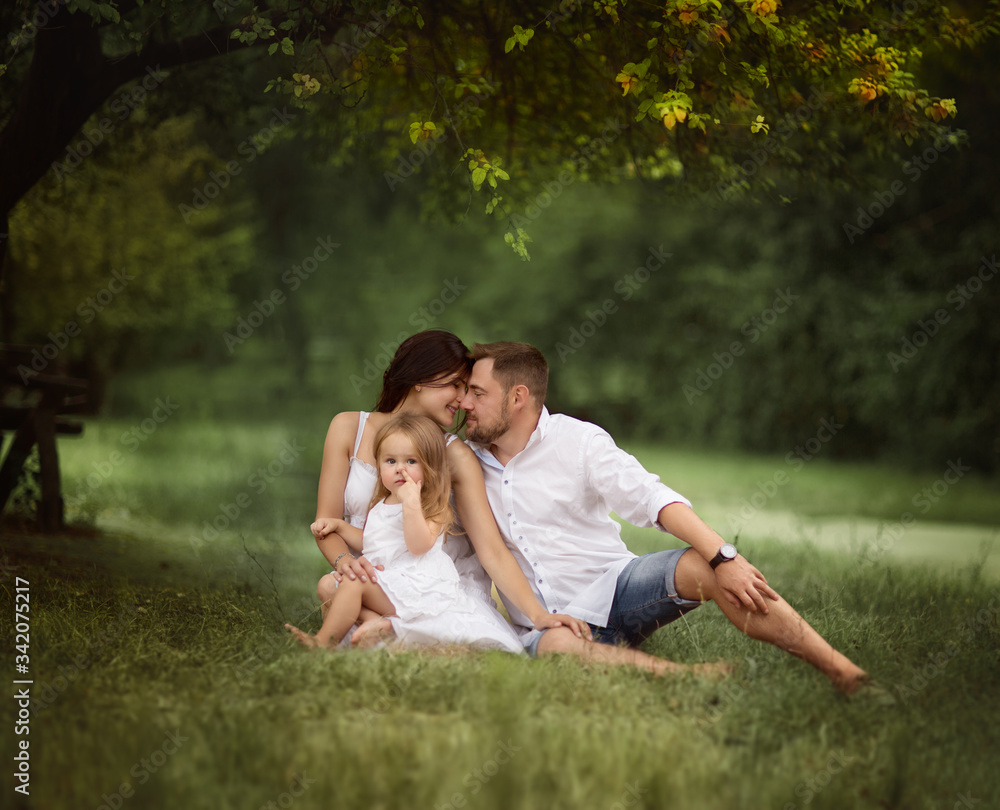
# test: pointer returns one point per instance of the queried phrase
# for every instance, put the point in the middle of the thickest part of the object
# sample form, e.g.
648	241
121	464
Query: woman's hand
358	568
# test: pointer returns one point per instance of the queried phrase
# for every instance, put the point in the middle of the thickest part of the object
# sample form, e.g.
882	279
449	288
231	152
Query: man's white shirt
552	502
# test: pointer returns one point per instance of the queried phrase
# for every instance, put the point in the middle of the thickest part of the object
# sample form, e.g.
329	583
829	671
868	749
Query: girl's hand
324	526
409	490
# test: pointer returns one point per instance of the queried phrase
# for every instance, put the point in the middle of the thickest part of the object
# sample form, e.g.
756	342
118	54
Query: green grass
144	626
121	659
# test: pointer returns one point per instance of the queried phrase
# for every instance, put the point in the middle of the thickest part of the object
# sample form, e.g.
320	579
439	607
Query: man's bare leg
781	626
563	640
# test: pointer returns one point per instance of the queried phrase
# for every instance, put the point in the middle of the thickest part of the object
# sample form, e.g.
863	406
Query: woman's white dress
431	605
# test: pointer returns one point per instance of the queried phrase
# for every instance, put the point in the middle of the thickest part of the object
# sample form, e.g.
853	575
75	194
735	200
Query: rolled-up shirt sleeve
636	494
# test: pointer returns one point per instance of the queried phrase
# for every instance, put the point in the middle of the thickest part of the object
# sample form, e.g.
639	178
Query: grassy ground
162	677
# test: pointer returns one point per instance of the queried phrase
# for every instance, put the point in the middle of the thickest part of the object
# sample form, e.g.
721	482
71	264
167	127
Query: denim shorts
645	600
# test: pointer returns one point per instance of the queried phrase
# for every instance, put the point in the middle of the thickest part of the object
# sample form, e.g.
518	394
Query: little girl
419	591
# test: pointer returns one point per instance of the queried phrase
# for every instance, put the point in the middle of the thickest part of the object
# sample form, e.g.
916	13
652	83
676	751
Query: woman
426	377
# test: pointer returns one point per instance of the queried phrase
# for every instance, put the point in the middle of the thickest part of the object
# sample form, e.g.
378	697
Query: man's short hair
516	364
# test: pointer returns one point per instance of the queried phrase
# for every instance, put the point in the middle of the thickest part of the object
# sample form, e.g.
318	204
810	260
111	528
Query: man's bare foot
851	682
369	633
302	637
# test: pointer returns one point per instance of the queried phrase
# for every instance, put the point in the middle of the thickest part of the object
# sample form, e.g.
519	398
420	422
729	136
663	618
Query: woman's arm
477	518
332	481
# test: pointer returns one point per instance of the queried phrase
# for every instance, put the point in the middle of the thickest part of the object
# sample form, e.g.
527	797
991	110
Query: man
553	480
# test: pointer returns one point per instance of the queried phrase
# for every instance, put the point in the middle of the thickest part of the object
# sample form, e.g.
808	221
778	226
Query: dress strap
362	418
449	438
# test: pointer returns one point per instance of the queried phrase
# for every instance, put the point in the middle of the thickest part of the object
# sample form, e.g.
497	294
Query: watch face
728	551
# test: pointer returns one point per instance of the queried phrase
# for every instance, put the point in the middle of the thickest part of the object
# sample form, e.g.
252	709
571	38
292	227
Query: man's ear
522	396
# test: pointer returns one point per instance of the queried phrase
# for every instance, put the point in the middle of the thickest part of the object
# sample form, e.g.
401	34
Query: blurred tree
796	86
125	275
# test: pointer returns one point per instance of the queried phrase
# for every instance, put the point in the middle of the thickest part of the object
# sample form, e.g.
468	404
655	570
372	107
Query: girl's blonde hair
429	443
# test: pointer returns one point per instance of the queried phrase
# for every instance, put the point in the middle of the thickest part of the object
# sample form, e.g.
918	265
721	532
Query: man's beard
487	434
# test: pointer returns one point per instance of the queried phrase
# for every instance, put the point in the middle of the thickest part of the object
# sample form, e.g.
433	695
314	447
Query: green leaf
509	45
478	175
272	48
287	47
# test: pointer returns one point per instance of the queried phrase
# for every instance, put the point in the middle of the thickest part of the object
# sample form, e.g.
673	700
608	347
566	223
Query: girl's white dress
432	606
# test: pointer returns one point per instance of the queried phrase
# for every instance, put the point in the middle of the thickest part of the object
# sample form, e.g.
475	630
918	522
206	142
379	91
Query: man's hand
744	586
359	568
579	627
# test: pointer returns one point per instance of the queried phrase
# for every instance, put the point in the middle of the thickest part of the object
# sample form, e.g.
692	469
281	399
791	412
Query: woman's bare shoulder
344	428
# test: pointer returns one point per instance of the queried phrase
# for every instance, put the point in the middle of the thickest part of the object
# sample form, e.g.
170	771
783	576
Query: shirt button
539	582
554	610
525	548
507	482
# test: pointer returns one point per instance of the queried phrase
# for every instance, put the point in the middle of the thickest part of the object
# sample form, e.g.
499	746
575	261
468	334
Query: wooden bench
33	406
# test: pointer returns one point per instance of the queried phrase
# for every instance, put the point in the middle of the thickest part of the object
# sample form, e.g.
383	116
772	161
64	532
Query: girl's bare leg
345	607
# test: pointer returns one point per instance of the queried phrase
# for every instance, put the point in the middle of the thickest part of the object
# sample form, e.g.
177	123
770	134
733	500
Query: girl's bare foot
371	632
302	637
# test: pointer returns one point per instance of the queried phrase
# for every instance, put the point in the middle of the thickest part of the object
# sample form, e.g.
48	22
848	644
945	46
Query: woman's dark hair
421	359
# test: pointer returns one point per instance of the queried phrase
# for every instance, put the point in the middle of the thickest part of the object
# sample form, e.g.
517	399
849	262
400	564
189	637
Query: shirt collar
485	454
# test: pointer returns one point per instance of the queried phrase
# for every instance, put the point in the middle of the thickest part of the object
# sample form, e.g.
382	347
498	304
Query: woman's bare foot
371	632
302	637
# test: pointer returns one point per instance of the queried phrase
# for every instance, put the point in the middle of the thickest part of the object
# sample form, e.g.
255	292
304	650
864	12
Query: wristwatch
725	553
